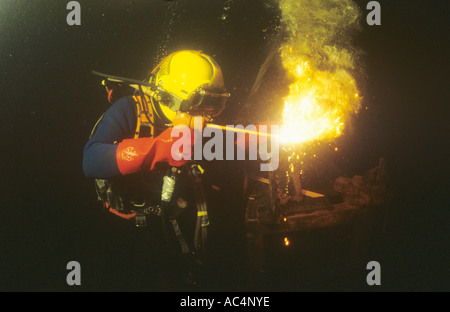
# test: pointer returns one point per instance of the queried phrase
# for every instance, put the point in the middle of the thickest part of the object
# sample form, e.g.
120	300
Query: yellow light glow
317	105
286	241
323	92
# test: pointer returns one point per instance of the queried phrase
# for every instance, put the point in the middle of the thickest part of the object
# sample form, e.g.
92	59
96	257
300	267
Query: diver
148	193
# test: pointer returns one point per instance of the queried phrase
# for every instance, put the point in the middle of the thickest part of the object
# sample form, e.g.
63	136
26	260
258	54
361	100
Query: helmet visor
207	102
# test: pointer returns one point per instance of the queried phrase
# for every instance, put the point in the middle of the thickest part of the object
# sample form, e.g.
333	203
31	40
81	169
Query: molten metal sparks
318	103
323	93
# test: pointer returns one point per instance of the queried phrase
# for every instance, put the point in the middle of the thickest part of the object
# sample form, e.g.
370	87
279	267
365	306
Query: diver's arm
118	123
144	153
105	158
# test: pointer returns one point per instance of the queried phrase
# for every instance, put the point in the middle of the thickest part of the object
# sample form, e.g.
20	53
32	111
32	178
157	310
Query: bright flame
323	92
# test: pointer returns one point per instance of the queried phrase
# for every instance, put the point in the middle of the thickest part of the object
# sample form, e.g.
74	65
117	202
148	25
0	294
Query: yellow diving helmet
190	82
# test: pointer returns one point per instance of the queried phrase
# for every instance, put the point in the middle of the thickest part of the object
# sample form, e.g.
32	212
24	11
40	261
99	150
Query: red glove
144	153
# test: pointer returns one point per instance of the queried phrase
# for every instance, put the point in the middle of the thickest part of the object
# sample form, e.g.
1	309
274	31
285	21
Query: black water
49	102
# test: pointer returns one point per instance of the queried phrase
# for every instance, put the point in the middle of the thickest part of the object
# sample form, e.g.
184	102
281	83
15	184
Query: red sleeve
144	153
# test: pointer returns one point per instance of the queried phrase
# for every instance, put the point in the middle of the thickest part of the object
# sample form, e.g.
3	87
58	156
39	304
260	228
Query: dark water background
49	102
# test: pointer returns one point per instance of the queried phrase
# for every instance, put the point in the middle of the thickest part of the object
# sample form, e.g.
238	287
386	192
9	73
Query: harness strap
127	216
202	211
144	117
176	228
141	219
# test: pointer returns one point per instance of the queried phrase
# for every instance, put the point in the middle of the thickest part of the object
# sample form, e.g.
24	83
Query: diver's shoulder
125	104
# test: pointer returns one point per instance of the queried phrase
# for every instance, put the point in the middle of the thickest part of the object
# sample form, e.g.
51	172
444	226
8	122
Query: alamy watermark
74	276
374	16
74	16
374	276
234	143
